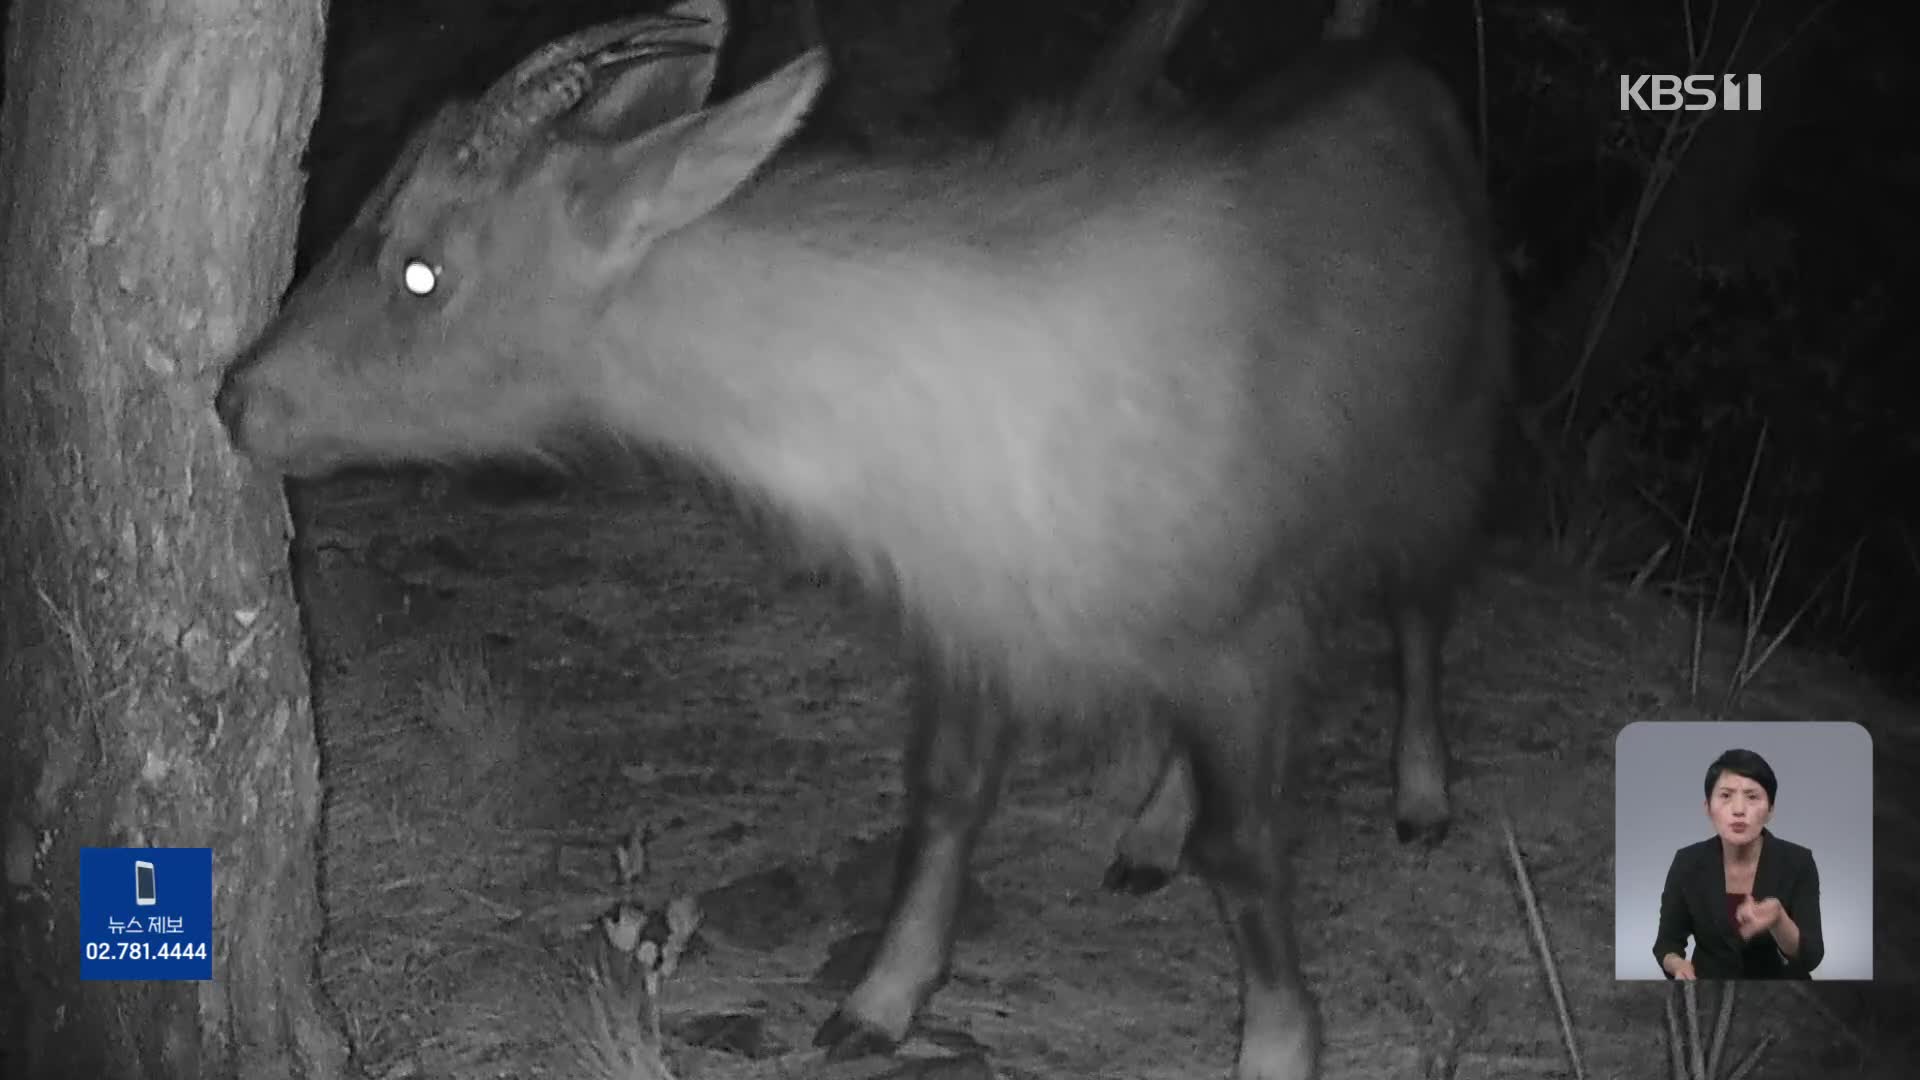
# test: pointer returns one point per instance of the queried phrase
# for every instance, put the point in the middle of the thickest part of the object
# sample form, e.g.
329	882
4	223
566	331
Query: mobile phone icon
143	890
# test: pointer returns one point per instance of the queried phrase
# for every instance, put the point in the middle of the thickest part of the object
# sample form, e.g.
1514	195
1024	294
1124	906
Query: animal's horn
555	79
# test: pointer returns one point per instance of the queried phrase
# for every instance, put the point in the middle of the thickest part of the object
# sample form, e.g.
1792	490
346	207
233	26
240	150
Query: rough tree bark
152	685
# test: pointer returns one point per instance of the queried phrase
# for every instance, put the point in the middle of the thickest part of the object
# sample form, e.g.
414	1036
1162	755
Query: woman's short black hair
1743	763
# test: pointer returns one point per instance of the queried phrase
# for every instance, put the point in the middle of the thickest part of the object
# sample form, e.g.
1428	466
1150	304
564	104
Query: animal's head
457	316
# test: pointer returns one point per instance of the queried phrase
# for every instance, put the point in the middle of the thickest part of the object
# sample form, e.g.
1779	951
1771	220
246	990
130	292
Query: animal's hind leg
1237	735
1148	855
1420	807
954	763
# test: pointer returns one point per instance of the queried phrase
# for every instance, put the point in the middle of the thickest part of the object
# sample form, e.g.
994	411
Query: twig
1546	954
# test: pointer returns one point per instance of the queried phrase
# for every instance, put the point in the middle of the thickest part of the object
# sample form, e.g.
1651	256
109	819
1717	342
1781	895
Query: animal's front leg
1239	733
959	750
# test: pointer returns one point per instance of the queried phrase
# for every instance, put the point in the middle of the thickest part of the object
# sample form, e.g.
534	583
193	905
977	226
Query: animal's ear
620	196
663	88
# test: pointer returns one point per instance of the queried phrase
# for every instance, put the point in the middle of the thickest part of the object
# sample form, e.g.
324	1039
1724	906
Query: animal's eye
419	277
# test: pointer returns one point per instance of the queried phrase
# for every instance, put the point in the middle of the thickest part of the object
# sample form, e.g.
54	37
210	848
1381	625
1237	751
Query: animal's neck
826	364
752	357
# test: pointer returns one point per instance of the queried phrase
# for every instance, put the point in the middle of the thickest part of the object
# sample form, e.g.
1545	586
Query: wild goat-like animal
1112	410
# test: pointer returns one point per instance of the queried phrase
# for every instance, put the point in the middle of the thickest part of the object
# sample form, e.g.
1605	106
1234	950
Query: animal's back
1098	394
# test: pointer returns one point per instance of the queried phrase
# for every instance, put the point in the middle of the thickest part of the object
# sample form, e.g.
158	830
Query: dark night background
1743	440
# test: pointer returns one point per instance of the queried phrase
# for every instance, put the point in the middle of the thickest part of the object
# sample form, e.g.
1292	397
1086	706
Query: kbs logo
1694	93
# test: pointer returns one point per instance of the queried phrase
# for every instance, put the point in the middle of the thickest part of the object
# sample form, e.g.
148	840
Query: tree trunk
153	689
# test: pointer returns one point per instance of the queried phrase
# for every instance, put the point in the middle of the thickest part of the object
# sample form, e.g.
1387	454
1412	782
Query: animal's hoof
1126	876
846	1038
1427	833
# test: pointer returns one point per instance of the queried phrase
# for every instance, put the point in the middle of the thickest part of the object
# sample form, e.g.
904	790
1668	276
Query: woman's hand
1755	917
1679	967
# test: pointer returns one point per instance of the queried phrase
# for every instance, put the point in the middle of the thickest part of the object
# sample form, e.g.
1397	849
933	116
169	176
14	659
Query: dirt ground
514	693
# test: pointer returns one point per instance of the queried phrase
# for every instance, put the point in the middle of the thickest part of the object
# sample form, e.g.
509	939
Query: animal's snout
229	403
250	411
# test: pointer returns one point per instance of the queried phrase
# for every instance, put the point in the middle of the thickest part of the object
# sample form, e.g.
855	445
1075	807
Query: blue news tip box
146	913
